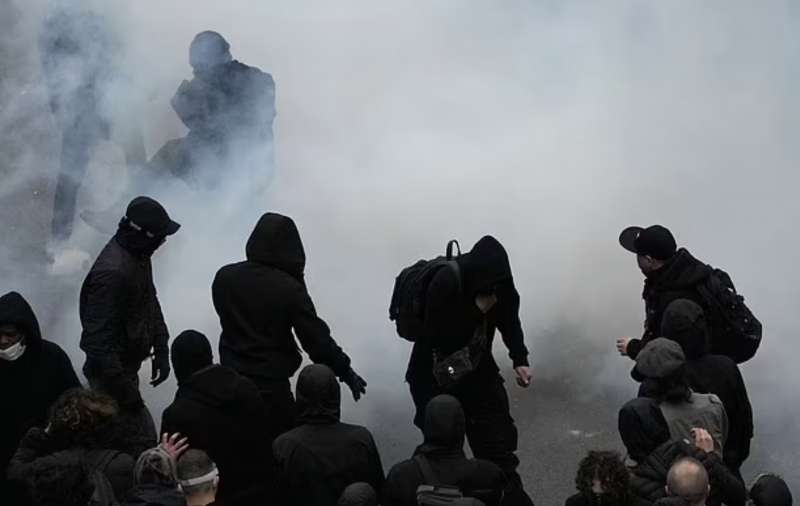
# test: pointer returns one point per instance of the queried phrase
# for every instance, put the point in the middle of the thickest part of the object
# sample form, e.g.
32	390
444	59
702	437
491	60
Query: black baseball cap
149	216
654	241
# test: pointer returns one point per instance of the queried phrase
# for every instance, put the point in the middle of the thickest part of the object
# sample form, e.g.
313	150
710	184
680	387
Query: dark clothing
676	280
319	459
582	500
444	429
649	478
222	414
155	495
450	322
39	455
121	316
30	384
642	427
262	300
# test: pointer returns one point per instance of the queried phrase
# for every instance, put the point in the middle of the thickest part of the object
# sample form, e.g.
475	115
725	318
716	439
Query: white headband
209	476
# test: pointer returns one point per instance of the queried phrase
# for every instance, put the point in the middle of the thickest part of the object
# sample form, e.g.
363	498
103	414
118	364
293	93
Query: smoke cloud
551	125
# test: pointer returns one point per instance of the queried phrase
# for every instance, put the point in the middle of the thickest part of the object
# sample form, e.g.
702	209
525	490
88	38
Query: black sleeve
315	336
741	422
510	327
161	334
376	474
724	485
103	320
191	106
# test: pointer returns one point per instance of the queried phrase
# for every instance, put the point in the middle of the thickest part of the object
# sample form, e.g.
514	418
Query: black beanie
191	352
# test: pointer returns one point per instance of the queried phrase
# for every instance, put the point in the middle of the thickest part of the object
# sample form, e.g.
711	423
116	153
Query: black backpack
431	493
407	308
735	331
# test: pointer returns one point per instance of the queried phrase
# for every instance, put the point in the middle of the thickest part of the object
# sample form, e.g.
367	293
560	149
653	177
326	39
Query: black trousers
491	431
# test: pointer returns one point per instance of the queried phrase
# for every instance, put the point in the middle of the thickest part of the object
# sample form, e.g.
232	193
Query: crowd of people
236	433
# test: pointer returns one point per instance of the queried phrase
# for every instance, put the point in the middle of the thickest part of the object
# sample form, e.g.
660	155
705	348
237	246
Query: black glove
356	383
160	368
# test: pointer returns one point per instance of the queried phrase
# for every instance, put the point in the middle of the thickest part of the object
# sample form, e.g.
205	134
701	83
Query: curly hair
80	416
609	469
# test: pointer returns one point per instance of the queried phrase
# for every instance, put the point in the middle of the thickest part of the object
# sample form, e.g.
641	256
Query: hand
161	369
622	345
523	376
703	440
174	445
356	383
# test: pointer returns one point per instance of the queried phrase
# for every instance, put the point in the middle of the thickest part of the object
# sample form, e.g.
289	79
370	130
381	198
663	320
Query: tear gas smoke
551	125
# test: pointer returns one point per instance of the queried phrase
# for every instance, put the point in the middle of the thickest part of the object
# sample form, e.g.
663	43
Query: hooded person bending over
122	320
220	412
321	457
260	302
443	451
33	374
476	302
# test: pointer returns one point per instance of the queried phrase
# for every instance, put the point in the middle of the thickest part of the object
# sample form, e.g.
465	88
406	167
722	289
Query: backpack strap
428	474
450	245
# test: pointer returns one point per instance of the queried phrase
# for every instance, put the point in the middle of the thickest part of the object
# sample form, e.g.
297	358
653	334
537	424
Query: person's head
146	226
603	478
770	490
155	467
191	352
661	367
19	328
207	50
688	479
319	395
654	246
684	322
82	417
198	477
445	425
275	241
486	273
358	494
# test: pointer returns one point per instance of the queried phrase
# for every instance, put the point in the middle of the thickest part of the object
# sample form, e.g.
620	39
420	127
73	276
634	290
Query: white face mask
13	352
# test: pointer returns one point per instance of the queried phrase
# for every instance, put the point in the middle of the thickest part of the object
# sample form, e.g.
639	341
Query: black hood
216	386
771	490
445	427
191	352
319	395
137	243
485	266
14	309
276	242
685	323
682	271
642	427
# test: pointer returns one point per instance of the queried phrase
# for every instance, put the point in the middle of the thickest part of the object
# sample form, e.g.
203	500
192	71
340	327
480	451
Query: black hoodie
222	414
31	383
452	316
319	459
444	431
678	279
262	300
684	322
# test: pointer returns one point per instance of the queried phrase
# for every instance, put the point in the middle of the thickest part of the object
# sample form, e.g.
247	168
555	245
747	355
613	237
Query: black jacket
39	456
649	478
121	316
451	316
222	414
154	495
444	431
685	323
33	382
676	280
262	300
321	457
582	500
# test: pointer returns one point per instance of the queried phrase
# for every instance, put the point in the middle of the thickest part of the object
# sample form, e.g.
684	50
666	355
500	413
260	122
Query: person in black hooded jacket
260	302
670	274
484	299
321	457
443	449
684	322
122	319
221	413
34	372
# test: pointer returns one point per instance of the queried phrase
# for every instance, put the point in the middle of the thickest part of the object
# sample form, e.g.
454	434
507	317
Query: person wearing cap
121	316
198	478
670	273
228	107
